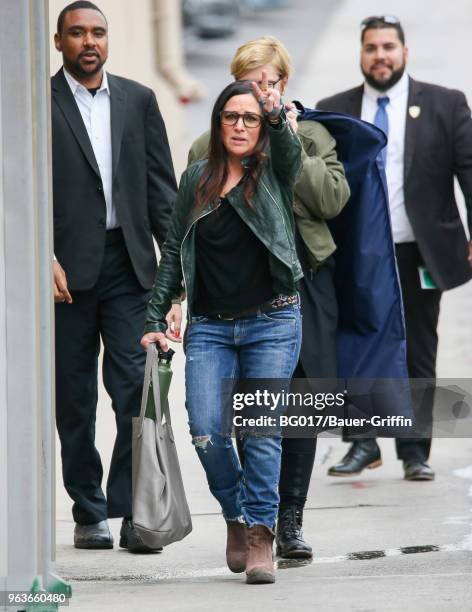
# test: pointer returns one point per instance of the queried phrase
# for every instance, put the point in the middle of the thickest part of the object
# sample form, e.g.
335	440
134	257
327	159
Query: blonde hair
259	52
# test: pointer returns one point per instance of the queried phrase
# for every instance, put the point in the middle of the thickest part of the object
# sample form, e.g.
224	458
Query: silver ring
263	102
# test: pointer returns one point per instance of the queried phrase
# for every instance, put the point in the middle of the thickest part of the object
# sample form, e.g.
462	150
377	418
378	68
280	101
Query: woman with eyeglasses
321	191
232	244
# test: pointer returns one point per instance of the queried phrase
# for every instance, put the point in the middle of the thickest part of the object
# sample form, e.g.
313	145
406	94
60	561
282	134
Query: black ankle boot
290	542
362	454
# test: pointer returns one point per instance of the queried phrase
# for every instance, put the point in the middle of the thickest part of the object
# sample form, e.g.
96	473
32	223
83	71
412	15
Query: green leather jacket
271	220
321	190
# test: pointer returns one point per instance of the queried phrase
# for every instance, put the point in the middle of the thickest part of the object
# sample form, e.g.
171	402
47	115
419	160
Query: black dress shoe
362	454
290	542
95	536
130	539
417	470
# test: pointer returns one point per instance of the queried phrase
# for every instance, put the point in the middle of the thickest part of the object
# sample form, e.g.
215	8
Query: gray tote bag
160	510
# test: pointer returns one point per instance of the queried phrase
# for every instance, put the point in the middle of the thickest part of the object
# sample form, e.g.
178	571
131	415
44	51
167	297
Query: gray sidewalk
380	543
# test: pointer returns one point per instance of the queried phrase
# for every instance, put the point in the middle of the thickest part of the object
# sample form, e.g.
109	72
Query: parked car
266	4
211	18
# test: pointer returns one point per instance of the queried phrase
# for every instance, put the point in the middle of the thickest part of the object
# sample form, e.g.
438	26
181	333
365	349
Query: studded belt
281	301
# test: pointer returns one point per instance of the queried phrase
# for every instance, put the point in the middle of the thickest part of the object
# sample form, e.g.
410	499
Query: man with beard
429	131
113	188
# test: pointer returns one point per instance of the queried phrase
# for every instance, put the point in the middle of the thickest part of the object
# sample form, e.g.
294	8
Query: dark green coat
321	190
271	220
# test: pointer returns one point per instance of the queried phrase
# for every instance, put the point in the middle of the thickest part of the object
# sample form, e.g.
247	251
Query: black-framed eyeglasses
271	84
250	120
387	19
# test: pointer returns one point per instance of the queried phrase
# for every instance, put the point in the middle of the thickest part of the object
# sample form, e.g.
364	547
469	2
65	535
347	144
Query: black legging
298	457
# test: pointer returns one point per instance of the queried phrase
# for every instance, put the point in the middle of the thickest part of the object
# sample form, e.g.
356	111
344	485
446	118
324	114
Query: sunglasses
250	120
388	19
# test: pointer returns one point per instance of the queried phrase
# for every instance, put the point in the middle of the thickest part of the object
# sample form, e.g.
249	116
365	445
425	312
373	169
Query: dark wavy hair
215	173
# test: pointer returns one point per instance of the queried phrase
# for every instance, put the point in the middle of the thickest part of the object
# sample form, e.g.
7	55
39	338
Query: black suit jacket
144	186
438	146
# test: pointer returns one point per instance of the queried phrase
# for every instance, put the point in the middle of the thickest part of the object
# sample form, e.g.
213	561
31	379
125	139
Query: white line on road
176	574
376	576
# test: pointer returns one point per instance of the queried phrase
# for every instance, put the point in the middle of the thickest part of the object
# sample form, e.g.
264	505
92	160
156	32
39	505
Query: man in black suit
429	132
113	187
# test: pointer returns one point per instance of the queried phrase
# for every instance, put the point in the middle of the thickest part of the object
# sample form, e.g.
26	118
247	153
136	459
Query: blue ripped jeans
263	346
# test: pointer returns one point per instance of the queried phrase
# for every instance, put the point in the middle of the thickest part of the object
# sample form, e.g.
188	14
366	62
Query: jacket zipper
182	246
278	207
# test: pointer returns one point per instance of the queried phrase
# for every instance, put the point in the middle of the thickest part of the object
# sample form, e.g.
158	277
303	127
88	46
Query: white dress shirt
396	112
95	111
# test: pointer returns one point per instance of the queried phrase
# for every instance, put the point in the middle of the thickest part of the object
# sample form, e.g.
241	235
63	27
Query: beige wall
131	55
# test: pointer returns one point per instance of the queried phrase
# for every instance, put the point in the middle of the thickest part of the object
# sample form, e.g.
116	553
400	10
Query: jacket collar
118	117
354	101
413	124
62	94
64	97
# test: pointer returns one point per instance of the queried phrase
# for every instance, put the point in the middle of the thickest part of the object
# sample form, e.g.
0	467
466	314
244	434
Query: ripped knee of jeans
215	440
201	442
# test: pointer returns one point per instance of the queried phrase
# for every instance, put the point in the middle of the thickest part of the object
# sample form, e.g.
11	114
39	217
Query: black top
232	264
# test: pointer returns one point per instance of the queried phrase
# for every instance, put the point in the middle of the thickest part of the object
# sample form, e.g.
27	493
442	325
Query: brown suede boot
259	564
236	546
